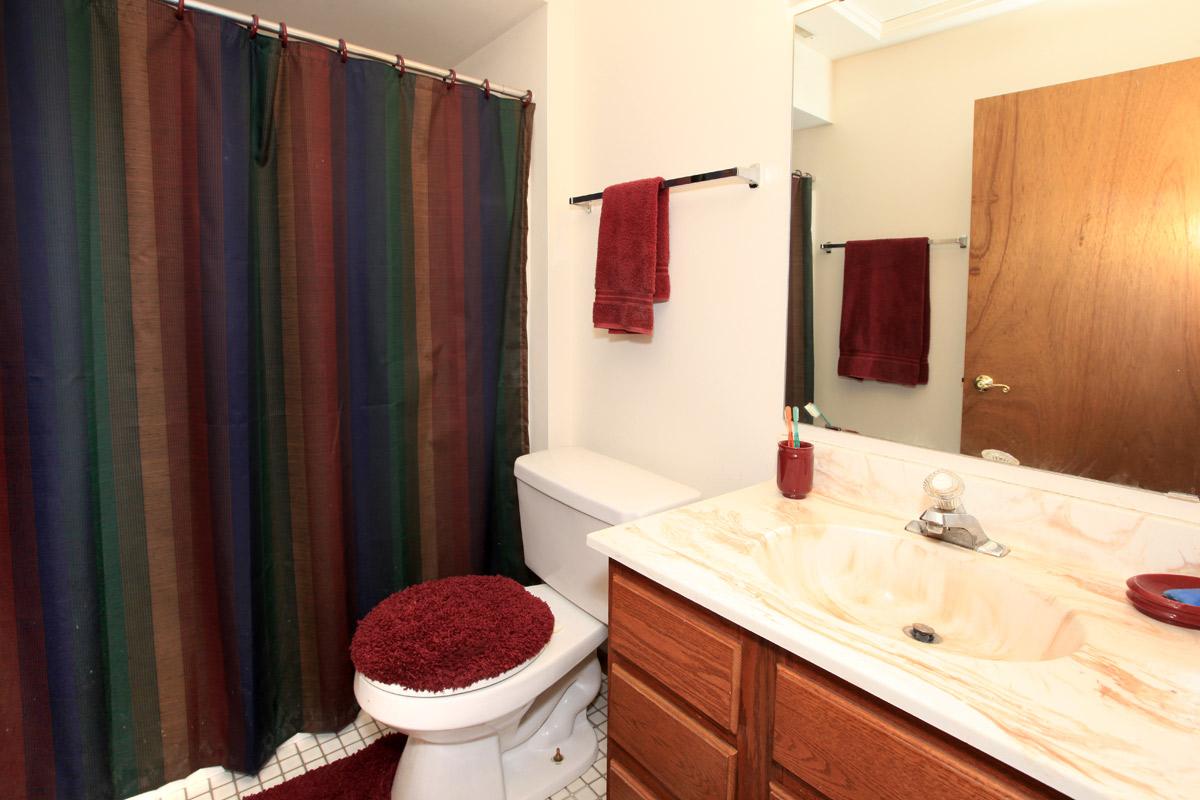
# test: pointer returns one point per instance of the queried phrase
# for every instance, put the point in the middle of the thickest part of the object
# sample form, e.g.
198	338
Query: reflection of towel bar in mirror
750	174
961	241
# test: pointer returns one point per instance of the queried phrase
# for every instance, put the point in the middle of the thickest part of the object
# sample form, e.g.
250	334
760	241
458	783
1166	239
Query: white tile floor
306	751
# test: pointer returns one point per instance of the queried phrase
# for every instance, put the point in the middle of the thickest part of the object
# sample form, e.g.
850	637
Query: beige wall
812	86
669	88
897	162
517	58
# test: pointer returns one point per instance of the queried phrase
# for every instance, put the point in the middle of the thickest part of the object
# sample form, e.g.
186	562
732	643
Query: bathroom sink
889	581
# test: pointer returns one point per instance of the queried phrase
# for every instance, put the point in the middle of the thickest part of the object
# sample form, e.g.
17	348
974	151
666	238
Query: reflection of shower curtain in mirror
798	381
262	362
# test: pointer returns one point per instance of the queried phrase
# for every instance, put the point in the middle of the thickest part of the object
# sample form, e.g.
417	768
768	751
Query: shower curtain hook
283	34
487	88
343	53
450	80
400	64
253	25
526	99
179	9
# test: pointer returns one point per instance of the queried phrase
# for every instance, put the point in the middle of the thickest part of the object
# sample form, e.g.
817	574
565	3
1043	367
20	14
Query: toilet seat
404	691
576	634
452	634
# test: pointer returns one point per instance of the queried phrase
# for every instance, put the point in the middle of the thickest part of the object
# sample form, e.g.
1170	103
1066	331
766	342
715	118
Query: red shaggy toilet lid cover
451	633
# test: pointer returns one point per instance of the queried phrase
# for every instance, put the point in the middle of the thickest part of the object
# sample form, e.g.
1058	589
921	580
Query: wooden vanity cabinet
838	742
700	709
686	697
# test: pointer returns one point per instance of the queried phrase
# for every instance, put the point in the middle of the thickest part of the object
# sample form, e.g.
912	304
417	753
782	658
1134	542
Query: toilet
527	736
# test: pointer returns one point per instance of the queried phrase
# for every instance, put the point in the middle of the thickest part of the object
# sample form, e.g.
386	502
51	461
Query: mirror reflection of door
1084	293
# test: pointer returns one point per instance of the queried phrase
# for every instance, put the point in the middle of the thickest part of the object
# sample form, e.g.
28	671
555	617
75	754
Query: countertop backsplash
1109	537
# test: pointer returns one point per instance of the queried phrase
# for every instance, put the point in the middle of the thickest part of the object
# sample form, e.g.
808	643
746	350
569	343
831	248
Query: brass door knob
985	382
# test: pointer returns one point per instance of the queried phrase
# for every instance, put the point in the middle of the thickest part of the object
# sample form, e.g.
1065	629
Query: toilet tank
565	493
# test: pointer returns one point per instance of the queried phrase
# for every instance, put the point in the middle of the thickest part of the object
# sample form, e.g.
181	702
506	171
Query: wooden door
1084	293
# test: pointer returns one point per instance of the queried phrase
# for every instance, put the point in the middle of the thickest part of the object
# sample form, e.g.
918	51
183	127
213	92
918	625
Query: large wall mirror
1049	150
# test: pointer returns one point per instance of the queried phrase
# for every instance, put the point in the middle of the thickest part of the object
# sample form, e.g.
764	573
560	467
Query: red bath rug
451	633
365	775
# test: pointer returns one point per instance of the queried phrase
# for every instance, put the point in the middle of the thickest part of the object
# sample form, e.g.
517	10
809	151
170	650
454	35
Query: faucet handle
945	488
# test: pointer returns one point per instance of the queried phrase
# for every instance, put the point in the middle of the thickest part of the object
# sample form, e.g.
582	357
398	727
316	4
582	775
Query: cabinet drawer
690	651
624	785
853	747
695	763
780	792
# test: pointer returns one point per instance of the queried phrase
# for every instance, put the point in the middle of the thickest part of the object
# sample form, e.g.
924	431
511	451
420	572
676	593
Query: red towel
885	311
631	256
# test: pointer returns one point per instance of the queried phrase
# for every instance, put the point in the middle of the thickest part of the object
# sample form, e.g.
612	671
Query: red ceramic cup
794	469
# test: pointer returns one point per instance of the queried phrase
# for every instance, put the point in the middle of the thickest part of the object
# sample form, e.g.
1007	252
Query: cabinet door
687	649
624	785
780	792
850	746
678	750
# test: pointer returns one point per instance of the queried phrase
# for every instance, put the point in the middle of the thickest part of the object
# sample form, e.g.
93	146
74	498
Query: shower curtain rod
349	49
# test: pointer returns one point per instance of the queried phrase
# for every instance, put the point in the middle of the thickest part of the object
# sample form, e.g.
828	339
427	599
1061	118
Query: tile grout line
306	751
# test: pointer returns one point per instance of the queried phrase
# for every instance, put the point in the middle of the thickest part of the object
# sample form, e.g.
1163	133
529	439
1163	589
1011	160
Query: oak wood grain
1085	278
849	746
681	752
623	784
796	792
758	709
689	650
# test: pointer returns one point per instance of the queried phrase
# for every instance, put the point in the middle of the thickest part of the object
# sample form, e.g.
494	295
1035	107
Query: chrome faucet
948	520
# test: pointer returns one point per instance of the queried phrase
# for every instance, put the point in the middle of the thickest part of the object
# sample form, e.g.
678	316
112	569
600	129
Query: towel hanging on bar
961	241
750	174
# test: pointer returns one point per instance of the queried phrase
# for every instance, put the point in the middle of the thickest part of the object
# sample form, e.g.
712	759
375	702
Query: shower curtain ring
487	88
343	53
400	64
526	99
253	25
179	9
283	34
450	79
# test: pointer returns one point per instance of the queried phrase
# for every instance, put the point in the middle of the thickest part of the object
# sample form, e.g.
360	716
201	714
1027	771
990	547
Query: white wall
670	88
897	162
812	86
517	58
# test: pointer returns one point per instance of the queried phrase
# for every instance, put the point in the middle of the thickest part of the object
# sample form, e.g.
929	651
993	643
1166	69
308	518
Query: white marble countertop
1116	714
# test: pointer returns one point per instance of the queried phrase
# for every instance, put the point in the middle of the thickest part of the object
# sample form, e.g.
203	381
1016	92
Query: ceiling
847	27
437	32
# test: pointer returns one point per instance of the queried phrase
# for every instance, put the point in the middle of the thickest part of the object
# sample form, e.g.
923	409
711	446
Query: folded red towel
885	311
632	256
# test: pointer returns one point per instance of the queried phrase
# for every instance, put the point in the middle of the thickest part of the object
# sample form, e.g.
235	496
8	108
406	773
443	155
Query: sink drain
921	632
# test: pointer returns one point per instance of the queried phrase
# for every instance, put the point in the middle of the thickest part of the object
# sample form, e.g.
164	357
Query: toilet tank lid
612	491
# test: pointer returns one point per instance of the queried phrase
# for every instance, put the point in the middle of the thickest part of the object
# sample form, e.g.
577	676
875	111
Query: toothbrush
787	422
795	426
816	414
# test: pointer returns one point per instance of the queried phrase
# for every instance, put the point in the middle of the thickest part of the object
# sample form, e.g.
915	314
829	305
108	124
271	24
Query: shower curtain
262	362
798	379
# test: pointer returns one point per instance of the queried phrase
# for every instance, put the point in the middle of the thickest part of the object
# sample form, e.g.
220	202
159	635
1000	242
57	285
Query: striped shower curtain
262	362
798	386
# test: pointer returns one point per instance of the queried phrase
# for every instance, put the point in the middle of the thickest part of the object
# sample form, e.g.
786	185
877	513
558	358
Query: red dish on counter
1145	592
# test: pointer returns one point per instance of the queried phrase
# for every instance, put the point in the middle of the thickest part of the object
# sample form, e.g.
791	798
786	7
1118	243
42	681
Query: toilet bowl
527	736
499	742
